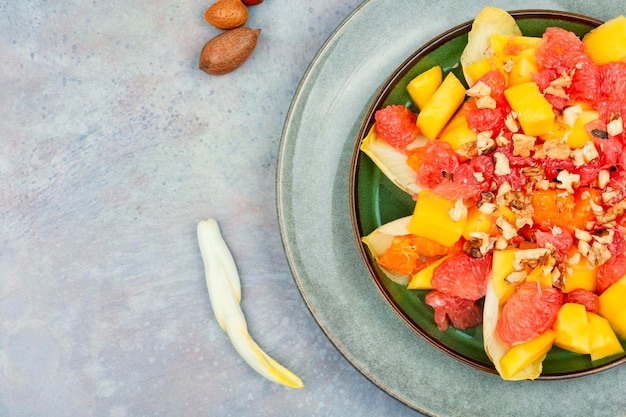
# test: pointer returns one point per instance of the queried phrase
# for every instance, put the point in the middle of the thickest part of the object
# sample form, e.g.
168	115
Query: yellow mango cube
441	107
533	111
542	273
525	354
422	87
612	300
607	42
578	136
431	219
421	280
475	71
502	267
578	275
572	328
521	71
513	46
478	222
457	133
618	322
603	341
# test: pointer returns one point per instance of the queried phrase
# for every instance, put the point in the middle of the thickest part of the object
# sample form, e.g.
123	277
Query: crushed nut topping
484	143
486	102
511	123
585	154
502	164
508	231
523	144
567	181
534	173
480	89
459	211
516	277
488	208
556	149
612	213
501	140
571	114
603	236
531	258
583	235
615	127
604	177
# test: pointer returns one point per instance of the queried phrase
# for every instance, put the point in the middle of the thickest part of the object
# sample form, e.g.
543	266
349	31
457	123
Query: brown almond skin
226	14
228	51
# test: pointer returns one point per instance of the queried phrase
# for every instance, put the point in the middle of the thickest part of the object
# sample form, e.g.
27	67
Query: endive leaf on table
391	161
224	288
380	240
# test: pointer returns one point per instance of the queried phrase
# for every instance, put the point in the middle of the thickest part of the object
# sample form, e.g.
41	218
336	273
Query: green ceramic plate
377	201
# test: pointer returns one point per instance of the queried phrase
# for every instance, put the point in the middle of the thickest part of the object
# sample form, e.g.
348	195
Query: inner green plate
376	201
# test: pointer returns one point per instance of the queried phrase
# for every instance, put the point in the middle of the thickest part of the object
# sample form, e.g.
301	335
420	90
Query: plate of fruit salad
511	250
336	181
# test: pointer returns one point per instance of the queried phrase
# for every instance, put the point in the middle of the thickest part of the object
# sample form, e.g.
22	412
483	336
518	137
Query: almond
227	14
228	51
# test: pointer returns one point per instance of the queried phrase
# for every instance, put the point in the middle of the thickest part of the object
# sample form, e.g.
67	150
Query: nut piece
226	14
228	51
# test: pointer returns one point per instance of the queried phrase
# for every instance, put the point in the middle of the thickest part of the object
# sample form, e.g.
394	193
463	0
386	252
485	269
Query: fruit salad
518	173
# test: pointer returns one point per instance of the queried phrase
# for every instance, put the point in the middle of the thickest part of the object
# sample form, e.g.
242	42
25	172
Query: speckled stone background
114	145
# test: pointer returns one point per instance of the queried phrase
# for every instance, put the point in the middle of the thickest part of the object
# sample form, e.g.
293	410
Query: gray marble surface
114	146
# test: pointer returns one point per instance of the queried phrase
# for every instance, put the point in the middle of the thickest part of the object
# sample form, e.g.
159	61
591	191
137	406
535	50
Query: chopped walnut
480	89
523	144
542	185
534	173
501	243
585	154
565	80
567	181
604	177
480	177
607	196
583	235
486	242
508	231
598	255
502	164
501	140
488	208
516	277
531	258
603	236
571	114
459	211
556	149
615	127
508	65
612	213
511	124
484	142
556	91
485	102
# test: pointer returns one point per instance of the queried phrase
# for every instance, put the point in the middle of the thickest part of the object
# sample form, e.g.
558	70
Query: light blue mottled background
113	146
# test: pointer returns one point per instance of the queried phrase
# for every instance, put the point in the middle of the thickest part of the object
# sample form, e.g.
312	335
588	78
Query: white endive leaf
489	21
380	240
392	162
224	289
494	346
